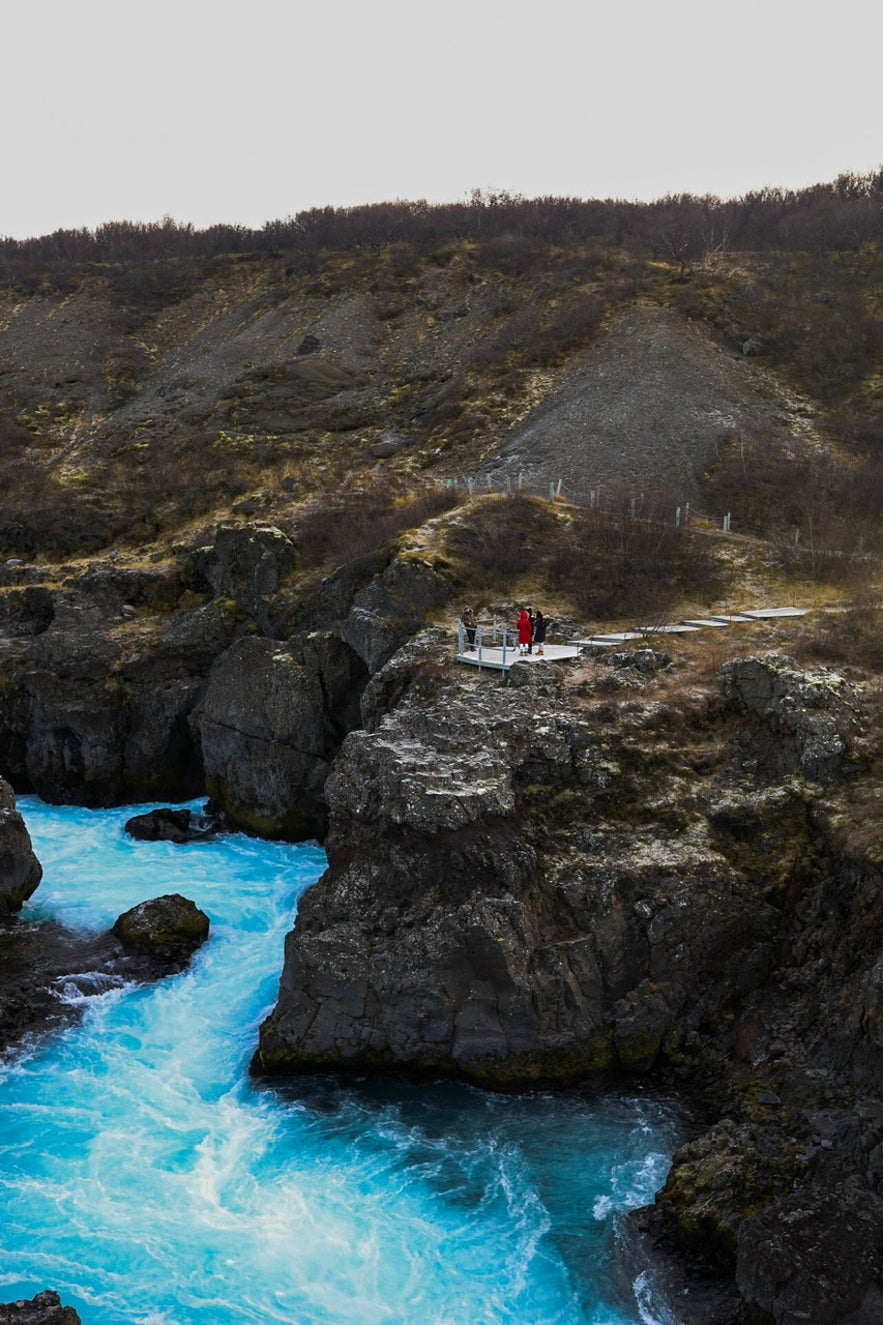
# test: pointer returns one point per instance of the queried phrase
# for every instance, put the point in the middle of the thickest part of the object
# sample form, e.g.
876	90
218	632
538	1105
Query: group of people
531	630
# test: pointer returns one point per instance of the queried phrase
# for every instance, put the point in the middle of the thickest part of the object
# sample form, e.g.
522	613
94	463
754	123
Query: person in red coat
525	631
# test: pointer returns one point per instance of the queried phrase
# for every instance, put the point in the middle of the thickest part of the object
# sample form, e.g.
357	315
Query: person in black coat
469	626
539	631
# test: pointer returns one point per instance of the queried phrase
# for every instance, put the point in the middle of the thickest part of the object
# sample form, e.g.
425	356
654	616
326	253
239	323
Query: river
149	1181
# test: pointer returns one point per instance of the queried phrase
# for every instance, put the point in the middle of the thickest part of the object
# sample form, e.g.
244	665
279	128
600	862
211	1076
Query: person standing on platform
469	627
539	631
525	631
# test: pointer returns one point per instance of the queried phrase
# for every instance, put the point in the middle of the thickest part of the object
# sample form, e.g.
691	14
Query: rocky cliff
203	671
20	871
616	870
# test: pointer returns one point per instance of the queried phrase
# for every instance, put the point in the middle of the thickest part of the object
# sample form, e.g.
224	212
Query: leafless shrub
349	524
823	516
614	566
497	540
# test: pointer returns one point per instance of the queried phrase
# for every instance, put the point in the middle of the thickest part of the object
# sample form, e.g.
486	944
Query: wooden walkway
497	647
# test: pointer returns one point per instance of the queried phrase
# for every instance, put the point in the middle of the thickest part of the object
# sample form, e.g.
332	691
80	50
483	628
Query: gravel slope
647	406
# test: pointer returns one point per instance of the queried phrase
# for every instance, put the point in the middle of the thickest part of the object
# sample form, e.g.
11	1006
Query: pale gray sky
252	111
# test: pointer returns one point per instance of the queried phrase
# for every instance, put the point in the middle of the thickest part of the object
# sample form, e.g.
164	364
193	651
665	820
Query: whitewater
150	1181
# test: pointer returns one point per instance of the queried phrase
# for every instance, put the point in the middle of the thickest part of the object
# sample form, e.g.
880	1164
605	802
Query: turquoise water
150	1182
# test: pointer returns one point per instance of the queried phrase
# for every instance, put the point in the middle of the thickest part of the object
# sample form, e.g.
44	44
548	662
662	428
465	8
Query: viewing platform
496	646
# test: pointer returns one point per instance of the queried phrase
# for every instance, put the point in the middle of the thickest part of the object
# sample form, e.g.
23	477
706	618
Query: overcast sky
243	113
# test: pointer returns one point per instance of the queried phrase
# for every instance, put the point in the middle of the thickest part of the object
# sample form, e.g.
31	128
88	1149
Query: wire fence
605	499
801	543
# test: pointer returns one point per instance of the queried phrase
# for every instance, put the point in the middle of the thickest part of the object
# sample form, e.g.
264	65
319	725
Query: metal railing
488	635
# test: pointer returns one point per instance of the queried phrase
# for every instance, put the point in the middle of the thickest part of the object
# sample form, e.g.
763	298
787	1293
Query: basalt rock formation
175	825
169	928
20	871
44	1309
121	684
529	885
46	968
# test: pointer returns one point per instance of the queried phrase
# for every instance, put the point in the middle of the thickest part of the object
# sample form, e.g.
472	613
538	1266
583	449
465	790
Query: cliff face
20	871
525	886
129	682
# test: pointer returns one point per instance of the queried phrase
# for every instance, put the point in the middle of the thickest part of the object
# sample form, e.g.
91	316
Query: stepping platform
620	637
773	613
700	621
676	628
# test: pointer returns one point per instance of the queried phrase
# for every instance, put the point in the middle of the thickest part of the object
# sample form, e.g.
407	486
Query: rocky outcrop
390	609
133	683
526	887
805	718
814	1256
94	708
267	733
273	715
44	1309
169	825
248	564
42	964
170	927
20	871
544	965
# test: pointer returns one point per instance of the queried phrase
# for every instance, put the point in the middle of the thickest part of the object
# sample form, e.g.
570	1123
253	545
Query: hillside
138	397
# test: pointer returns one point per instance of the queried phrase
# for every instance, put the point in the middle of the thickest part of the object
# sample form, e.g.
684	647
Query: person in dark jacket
469	626
539	631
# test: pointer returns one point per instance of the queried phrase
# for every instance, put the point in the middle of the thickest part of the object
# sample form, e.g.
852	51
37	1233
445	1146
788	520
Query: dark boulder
169	927
168	825
44	1309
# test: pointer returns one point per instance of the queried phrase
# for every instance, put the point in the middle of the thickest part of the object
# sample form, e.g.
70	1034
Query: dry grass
851	637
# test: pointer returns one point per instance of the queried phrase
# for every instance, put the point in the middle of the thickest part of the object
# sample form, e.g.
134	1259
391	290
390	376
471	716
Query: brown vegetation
487	297
351	523
609	563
